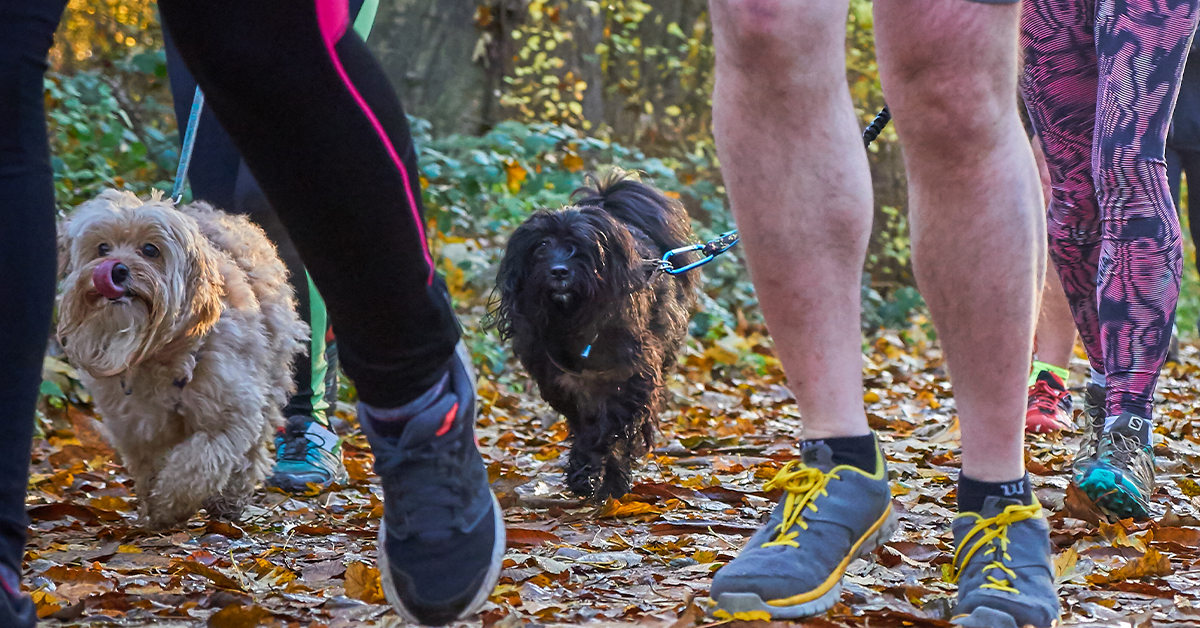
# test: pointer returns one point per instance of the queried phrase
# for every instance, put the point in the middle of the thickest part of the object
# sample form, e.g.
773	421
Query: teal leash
189	143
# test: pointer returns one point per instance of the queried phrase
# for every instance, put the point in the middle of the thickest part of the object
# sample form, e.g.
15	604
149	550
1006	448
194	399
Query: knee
949	107
773	39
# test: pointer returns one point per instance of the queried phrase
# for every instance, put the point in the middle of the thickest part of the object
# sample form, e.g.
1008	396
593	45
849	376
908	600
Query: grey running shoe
1093	421
1003	567
793	566
1118	475
441	541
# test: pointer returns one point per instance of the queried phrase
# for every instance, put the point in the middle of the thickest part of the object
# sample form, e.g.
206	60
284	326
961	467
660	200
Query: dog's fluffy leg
196	470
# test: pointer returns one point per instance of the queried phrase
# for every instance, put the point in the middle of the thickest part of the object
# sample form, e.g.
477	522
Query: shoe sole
1109	491
481	596
734	603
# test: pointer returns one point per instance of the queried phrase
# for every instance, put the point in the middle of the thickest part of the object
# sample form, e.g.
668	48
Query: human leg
320	127
798	181
1059	84
1050	405
1142	45
27	254
950	70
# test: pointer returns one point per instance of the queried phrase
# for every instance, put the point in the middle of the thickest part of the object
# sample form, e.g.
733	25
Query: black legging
27	258
321	128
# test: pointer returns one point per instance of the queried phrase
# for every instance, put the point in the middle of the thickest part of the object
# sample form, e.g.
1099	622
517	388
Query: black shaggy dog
595	323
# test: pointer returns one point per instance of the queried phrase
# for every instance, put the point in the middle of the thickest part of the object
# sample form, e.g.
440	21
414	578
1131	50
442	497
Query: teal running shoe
1117	472
308	457
1002	564
793	566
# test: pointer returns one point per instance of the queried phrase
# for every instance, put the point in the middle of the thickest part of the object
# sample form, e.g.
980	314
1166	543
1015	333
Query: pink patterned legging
1100	82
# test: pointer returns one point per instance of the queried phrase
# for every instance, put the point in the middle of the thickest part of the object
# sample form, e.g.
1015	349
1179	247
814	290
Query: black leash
725	241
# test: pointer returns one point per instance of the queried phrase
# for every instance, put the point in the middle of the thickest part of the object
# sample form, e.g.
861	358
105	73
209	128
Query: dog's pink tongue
102	279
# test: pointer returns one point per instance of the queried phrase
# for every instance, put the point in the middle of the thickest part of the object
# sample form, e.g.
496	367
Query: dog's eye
543	244
103	249
149	250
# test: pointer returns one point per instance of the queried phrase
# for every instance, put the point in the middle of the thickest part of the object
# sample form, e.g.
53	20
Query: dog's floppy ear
205	286
512	274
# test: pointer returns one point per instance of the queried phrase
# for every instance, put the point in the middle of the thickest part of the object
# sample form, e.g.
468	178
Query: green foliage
108	129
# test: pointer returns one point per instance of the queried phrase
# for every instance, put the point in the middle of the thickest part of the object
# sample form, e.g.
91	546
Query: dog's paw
583	480
161	520
224	508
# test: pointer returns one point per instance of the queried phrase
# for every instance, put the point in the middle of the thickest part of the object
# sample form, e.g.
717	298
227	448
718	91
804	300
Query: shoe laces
802	484
295	444
428	478
993	535
1046	398
1128	453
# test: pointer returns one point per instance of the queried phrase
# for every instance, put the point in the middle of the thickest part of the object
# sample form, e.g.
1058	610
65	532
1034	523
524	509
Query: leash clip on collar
711	250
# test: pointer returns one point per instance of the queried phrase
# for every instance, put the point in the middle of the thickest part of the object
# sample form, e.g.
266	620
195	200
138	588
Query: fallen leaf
200	569
1079	506
518	537
1151	564
363	583
238	616
1064	564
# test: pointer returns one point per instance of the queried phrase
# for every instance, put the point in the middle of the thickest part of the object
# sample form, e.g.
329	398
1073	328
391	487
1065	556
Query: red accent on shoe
447	422
1047	410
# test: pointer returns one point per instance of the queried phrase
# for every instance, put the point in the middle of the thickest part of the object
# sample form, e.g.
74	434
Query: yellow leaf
129	549
1188	486
362	583
238	616
46	603
110	502
720	354
1148	565
572	162
870	396
1064	563
516	175
614	509
673	110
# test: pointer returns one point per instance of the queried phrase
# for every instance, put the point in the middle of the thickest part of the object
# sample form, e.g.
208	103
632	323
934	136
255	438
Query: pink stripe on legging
333	17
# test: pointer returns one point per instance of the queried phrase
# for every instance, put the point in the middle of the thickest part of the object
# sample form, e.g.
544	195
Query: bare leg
1055	339
798	180
950	68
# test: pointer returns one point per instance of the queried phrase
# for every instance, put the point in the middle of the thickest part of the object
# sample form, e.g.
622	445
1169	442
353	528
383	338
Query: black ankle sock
972	493
856	451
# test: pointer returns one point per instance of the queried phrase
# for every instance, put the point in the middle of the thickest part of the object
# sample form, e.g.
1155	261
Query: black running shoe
441	541
16	609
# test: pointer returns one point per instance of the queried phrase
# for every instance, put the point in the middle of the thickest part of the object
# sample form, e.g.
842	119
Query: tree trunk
428	49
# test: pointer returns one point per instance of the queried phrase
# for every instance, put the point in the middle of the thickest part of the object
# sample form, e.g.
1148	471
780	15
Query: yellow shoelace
802	484
993	533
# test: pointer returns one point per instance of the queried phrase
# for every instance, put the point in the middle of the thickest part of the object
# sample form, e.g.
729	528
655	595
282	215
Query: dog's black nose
120	273
559	271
